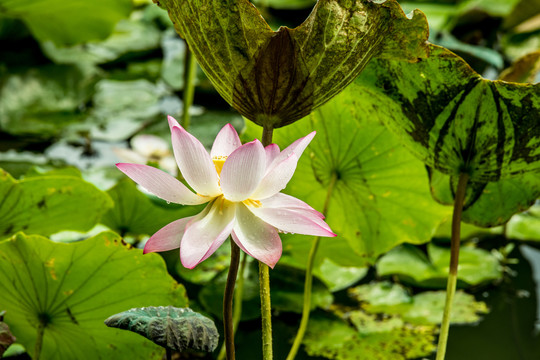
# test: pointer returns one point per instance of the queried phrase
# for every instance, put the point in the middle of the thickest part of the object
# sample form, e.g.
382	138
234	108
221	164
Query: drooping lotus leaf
49	203
276	78
69	289
381	197
68	22
173	328
456	121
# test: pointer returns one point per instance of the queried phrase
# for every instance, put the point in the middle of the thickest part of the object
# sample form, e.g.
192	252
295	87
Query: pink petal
195	163
256	238
243	171
281	200
161	184
168	237
276	179
296	147
292	221
226	142
172	122
272	151
204	235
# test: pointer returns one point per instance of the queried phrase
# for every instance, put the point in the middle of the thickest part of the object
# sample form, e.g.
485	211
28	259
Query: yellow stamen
251	202
218	163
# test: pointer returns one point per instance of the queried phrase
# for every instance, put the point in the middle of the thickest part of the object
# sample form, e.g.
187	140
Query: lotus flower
241	184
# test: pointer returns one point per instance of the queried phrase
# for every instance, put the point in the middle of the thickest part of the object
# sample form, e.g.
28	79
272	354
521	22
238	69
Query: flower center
218	163
251	202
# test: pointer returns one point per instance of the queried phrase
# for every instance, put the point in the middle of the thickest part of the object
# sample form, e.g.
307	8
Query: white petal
281	200
161	184
272	151
195	163
243	171
296	147
168	237
292	221
226	142
149	145
276	179
131	156
256	237
203	236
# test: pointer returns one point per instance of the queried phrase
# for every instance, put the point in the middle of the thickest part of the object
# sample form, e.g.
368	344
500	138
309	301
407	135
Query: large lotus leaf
71	288
170	327
456	121
48	204
276	78
381	197
476	266
135	214
67	22
42	101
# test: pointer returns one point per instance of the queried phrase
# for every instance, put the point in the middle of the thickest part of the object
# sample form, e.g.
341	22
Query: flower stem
190	69
454	261
306	310
264	282
237	310
228	301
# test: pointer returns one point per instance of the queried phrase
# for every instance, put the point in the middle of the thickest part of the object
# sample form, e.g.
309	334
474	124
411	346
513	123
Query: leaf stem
39	340
237	304
190	69
306	310
264	282
454	261
228	301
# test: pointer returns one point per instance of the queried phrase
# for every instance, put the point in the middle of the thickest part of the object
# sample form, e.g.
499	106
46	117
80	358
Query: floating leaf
476	266
173	328
381	196
48	204
135	214
276	78
57	20
425	308
488	129
525	226
69	289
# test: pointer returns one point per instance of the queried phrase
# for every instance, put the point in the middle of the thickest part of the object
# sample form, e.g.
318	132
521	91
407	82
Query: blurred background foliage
81	82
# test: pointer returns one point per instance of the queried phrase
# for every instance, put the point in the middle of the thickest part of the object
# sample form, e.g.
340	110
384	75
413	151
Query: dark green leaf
70	288
48	204
173	328
276	78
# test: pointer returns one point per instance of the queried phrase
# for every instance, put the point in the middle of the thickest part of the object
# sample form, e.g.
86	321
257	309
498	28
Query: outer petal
226	142
256	237
243	171
296	147
204	235
281	201
195	163
161	184
277	179
272	151
168	237
293	221
172	122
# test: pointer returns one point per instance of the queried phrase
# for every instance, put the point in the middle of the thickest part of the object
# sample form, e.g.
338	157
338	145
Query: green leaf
276	78
172	328
48	204
134	213
381	197
411	265
69	289
42	101
455	121
525	226
526	69
68	22
425	308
